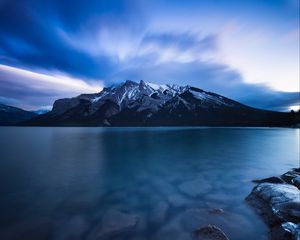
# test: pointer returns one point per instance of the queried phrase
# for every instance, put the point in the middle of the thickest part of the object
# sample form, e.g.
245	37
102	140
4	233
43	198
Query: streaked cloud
31	89
177	46
247	50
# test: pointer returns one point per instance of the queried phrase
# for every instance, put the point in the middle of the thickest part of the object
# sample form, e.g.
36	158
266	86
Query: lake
139	183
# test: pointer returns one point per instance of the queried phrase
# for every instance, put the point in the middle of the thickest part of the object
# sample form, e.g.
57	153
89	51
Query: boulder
290	175
276	193
292	228
279	205
296	182
210	232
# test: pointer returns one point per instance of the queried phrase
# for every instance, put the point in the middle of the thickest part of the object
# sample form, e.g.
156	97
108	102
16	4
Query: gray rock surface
296	181
279	205
210	232
289	176
293	228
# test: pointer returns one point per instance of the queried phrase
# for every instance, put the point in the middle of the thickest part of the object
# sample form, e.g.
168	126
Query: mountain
11	115
147	104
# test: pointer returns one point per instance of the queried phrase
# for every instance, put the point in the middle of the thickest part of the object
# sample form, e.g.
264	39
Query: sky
245	50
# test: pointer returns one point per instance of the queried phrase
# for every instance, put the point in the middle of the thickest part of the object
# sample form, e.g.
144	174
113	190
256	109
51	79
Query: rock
275	202
269	180
290	175
194	188
279	205
289	211
296	170
279	233
286	231
276	193
210	232
296	182
191	219
292	228
112	224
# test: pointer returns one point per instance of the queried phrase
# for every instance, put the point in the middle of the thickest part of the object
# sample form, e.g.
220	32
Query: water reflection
62	183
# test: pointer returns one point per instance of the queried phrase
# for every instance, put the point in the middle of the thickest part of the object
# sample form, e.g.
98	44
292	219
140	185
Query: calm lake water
67	183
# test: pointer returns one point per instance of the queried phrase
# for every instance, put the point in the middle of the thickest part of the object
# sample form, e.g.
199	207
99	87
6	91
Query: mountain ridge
10	115
147	104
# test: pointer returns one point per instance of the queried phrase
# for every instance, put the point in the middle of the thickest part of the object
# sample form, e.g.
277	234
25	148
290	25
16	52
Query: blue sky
245	50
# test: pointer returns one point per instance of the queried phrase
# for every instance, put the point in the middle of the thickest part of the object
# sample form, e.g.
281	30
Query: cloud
177	46
31	90
181	40
213	77
68	45
37	26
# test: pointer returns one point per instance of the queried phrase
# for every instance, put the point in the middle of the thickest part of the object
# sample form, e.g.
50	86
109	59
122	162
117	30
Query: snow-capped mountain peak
144	96
148	104
130	90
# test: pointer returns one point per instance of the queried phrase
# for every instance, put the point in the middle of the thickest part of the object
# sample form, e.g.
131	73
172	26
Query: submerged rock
210	232
112	224
230	222
279	205
194	188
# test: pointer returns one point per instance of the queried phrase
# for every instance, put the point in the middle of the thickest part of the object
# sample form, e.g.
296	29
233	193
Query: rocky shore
277	200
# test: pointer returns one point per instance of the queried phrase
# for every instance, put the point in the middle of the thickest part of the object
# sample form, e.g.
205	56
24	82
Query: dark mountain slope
146	104
11	115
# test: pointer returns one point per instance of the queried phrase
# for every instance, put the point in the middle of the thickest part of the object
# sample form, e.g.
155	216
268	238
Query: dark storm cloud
29	34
